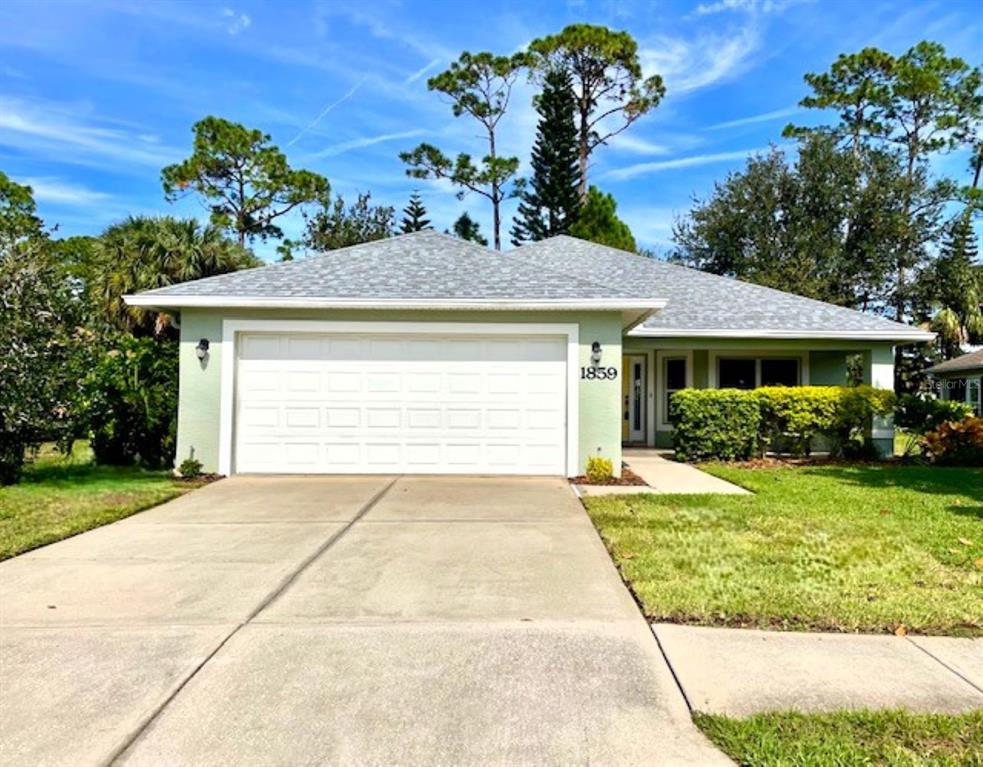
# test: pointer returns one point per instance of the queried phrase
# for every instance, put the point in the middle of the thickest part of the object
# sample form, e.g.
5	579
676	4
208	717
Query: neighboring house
961	379
424	353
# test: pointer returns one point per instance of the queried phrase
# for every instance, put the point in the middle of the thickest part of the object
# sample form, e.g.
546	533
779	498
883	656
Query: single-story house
961	379
426	353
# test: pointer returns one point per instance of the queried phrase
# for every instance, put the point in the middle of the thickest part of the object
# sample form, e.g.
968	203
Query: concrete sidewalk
663	476
740	672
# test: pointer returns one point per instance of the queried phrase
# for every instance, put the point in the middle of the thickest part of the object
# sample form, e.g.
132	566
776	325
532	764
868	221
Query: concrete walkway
337	620
739	672
663	476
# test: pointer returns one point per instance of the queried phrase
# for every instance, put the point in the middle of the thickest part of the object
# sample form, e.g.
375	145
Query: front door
633	425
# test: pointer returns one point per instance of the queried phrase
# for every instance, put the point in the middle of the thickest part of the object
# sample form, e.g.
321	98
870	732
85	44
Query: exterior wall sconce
595	353
202	349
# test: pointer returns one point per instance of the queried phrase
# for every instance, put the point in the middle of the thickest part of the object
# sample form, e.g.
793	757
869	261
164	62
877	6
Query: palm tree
142	252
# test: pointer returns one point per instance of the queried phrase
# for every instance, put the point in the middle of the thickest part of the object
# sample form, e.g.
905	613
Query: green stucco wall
200	385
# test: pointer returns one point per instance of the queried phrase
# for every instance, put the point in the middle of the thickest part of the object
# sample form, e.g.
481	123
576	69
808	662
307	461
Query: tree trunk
584	141
496	197
496	218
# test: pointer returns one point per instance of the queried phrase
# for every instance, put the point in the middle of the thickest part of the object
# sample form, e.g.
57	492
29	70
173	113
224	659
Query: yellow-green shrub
735	424
599	469
715	423
793	416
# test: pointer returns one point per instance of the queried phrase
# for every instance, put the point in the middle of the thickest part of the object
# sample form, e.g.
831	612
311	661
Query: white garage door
311	403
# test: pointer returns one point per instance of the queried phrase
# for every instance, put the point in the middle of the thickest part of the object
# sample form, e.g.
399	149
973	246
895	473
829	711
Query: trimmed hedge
715	423
736	424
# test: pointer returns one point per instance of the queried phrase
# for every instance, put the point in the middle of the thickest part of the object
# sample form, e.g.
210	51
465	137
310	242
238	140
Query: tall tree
338	226
479	85
921	103
414	215
40	352
610	90
825	226
550	203
598	222
243	179
141	253
953	289
468	229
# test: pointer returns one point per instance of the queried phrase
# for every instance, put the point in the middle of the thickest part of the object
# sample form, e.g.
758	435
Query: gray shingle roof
699	301
423	265
964	364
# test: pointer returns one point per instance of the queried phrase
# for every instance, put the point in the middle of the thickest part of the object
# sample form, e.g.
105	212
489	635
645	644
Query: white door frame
229	355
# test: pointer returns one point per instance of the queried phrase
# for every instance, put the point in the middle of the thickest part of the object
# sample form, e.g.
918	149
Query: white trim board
230	329
164	301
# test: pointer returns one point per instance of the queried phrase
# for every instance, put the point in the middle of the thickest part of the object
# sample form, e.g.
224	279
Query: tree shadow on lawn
936	480
70	473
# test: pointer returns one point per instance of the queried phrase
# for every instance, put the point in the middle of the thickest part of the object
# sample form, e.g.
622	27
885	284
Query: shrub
190	468
599	469
734	424
857	408
715	423
130	403
794	416
956	443
921	415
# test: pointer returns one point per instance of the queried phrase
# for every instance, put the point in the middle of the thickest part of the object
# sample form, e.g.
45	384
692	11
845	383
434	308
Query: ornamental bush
735	424
599	469
920	415
956	443
715	424
793	416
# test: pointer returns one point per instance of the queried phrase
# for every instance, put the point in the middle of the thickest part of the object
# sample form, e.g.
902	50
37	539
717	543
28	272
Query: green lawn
61	496
838	548
849	738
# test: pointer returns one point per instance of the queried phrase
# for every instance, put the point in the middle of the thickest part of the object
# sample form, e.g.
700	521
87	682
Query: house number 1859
598	374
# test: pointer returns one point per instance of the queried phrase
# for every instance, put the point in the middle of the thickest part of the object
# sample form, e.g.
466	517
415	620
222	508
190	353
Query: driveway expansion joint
945	665
148	721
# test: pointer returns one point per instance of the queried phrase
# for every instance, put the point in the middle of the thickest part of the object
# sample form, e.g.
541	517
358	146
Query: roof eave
910	336
645	307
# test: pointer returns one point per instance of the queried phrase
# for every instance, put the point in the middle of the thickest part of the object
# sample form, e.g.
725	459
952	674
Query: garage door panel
320	403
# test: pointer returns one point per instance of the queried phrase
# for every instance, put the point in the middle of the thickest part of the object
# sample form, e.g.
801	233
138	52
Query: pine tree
598	222
468	229
550	204
956	282
414	215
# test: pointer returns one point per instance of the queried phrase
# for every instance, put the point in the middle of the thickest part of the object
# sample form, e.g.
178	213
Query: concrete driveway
336	620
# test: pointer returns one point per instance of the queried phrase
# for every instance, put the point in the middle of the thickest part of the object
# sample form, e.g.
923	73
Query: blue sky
96	97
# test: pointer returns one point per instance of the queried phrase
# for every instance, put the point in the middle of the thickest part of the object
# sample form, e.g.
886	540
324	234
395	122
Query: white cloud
56	133
635	145
235	22
752	119
688	65
641	169
746	6
363	141
59	192
422	71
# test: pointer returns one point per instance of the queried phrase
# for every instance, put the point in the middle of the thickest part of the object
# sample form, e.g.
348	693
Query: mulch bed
628	477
